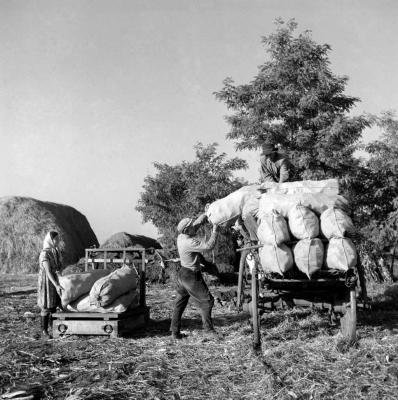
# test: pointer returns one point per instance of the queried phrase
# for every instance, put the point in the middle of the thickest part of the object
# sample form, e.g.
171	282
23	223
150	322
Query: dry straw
301	357
23	225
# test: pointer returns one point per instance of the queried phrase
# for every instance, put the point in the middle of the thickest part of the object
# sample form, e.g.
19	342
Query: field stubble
301	356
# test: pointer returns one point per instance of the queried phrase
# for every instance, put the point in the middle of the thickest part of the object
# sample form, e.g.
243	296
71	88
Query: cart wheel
349	320
255	316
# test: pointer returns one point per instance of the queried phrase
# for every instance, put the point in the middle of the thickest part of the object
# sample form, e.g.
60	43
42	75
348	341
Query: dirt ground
302	356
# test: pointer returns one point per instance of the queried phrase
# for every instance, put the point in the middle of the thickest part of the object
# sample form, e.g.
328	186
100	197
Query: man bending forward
190	281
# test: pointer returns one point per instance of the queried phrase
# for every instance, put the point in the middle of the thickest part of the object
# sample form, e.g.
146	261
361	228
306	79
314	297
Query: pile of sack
301	225
101	290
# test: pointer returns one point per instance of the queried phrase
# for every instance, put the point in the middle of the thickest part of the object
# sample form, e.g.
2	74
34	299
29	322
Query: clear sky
93	92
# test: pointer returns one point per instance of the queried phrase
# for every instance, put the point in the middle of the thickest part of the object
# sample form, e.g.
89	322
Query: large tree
295	100
375	185
373	190
183	190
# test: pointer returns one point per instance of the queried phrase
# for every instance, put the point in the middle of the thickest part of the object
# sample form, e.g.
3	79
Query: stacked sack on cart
306	230
300	224
101	290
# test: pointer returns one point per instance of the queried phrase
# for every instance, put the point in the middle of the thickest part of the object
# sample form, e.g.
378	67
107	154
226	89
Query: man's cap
268	148
184	224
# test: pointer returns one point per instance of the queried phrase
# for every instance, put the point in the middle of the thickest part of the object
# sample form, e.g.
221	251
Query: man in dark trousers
190	281
274	165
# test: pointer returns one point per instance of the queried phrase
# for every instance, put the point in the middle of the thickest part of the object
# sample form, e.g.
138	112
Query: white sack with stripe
273	229
277	259
340	254
309	255
317	202
303	222
336	223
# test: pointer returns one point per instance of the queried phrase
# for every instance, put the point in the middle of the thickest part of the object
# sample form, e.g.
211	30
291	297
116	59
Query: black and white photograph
198	199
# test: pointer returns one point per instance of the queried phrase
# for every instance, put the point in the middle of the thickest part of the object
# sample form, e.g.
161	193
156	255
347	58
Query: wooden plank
242	262
86	260
349	320
118	249
255	315
94	315
108	260
85	315
142	280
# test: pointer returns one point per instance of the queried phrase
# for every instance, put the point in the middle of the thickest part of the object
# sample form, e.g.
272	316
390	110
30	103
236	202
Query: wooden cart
109	324
336	294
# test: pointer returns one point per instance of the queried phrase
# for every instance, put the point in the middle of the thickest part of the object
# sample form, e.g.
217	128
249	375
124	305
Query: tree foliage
183	190
295	100
374	185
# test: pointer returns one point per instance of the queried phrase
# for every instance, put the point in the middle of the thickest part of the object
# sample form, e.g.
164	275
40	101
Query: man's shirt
274	171
190	248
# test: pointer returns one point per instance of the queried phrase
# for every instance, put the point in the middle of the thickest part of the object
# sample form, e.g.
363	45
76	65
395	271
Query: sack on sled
340	254
109	288
303	222
273	229
309	256
277	259
123	303
77	285
336	223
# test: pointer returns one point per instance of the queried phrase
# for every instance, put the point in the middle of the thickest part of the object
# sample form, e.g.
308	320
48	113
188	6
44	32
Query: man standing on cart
275	166
190	281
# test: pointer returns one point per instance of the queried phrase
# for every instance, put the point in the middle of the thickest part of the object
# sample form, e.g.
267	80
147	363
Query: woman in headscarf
49	289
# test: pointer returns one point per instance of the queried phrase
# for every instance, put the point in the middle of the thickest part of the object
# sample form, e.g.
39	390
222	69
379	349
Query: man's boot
45	319
178	335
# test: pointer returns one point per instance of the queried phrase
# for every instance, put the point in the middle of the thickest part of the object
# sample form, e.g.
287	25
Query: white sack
123	303
329	187
340	254
336	223
230	207
107	289
303	223
277	259
273	229
317	202
251	204
309	255
77	285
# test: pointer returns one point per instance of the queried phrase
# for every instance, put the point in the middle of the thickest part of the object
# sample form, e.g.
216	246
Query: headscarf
48	242
49	246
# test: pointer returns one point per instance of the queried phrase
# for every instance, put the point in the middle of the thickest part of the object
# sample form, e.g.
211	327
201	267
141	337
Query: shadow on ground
161	327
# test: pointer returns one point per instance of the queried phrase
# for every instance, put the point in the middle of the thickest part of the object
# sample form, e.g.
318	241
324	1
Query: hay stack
154	270
123	239
25	221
